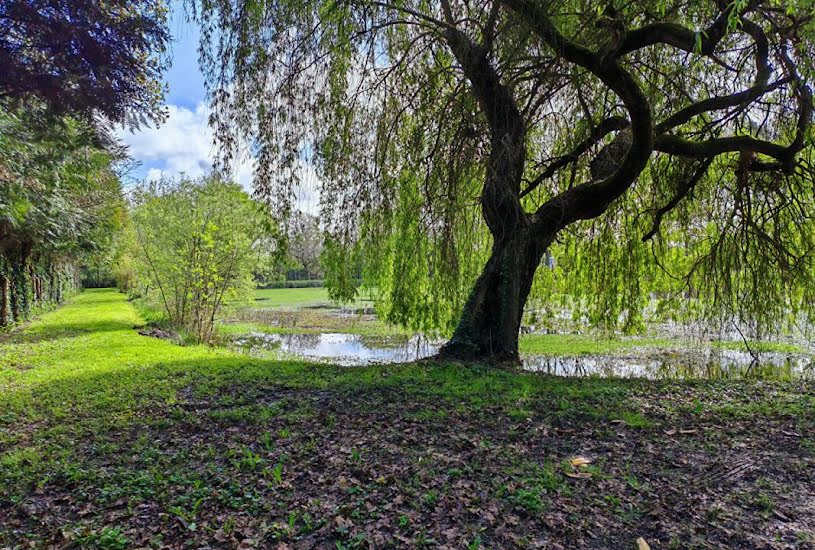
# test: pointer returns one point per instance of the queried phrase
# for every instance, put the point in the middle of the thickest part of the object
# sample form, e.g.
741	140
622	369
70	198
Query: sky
183	144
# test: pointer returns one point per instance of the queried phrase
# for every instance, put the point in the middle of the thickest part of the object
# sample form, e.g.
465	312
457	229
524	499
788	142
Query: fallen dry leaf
579	475
578	461
642	545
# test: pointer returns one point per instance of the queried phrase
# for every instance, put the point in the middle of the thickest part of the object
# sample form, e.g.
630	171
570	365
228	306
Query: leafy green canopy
60	204
85	58
717	225
59	193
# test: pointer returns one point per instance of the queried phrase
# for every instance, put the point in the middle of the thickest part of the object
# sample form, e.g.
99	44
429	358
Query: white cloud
183	146
153	174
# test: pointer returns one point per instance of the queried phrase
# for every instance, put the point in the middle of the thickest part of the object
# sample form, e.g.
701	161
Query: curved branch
784	155
803	95
681	37
759	88
600	131
501	206
718	103
591	199
681	147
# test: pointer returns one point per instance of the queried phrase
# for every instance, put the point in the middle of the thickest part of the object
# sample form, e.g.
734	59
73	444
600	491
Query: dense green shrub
60	202
197	245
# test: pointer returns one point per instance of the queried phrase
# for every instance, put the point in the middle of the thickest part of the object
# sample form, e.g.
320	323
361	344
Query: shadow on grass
140	391
58	331
168	436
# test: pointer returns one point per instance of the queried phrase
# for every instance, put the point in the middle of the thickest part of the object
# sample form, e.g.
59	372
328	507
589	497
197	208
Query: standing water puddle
340	349
352	349
699	363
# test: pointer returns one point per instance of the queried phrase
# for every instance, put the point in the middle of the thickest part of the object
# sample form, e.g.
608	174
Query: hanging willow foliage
655	149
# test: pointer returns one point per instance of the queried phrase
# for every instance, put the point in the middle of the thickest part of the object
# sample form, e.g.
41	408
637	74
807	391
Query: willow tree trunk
491	318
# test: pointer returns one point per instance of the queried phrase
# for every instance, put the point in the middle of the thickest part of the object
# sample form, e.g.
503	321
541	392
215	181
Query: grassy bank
109	439
297	298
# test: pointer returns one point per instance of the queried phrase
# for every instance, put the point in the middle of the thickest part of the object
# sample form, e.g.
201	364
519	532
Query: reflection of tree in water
353	349
297	342
713	365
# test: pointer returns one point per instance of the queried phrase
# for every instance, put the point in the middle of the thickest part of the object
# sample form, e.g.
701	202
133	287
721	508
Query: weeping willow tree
653	147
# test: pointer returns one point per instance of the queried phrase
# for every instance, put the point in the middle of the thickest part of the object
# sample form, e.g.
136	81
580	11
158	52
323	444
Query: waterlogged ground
113	440
338	348
637	362
303	323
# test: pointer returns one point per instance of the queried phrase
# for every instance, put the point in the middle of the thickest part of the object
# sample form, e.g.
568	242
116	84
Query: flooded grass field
303	323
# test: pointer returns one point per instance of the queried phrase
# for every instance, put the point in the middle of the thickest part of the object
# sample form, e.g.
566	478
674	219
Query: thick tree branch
803	95
600	131
783	155
759	88
681	37
490	27
591	199
678	146
718	103
500	196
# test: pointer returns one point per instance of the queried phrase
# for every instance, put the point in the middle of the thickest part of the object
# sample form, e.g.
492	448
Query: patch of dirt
155	332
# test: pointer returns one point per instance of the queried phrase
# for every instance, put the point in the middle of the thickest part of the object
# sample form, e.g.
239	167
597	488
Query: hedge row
310	283
27	286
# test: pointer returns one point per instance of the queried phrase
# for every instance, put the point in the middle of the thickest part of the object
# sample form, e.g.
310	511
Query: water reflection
341	349
711	365
353	349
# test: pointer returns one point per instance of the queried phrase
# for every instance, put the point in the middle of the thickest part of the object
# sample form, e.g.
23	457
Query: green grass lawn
291	297
586	344
297	298
113	440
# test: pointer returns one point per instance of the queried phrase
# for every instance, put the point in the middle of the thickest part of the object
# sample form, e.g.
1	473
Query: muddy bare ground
688	466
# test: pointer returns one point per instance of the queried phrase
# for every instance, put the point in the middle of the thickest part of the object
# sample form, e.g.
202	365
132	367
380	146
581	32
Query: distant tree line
294	256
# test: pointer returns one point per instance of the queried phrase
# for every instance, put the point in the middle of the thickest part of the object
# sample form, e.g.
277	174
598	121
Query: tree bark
491	319
5	313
